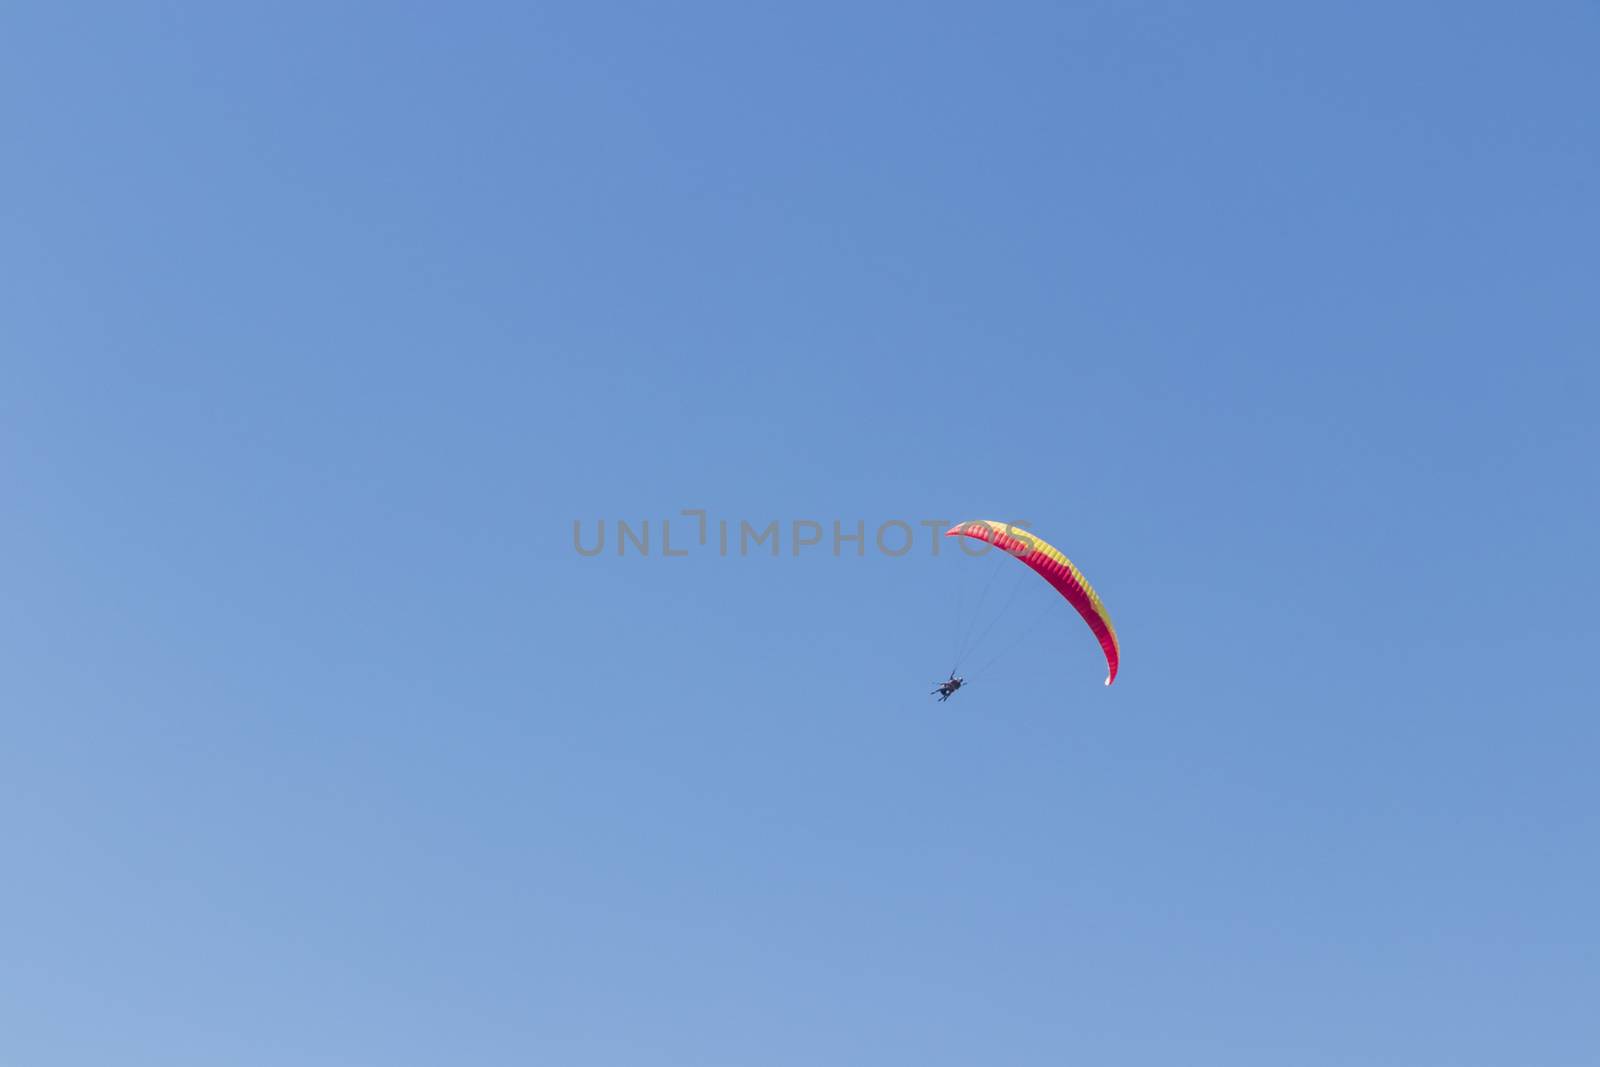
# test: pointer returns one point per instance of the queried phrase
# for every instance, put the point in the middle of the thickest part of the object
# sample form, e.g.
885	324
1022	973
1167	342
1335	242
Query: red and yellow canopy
1054	568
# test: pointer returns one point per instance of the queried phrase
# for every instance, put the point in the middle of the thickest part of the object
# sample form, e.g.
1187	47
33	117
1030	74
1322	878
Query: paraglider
1050	564
946	689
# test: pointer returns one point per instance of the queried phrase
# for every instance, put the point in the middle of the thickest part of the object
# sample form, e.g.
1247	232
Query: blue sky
323	323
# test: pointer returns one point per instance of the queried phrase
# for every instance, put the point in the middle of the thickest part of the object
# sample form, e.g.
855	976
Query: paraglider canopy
1056	569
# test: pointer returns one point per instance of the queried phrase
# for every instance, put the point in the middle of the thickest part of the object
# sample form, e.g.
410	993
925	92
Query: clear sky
321	323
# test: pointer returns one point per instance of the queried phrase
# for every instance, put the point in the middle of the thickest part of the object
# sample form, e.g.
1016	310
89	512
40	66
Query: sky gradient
323	324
